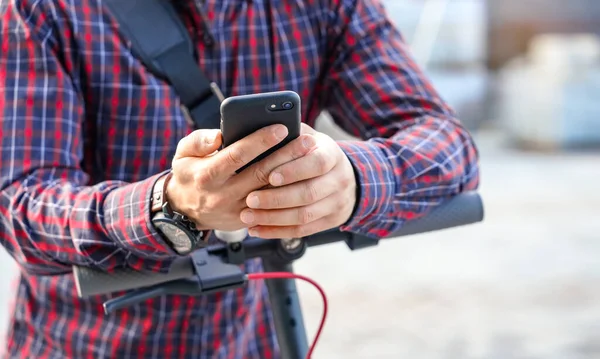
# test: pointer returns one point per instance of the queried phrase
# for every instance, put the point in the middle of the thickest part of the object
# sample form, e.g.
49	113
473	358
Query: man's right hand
205	186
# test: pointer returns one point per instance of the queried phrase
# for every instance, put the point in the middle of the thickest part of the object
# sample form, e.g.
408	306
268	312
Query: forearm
51	221
415	152
404	176
50	217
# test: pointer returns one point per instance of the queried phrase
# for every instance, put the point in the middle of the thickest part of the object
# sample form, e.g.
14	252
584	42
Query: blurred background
524	76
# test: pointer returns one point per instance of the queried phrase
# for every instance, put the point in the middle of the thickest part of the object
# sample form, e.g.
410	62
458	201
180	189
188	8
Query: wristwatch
179	232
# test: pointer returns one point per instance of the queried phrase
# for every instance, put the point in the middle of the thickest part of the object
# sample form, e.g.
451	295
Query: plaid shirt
85	130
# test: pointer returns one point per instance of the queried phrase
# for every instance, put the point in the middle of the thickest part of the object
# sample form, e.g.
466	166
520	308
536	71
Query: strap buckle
202	113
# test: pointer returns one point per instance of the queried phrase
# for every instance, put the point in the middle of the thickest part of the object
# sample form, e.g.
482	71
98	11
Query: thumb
199	143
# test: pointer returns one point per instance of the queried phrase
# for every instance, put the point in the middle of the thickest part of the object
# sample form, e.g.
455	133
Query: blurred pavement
525	284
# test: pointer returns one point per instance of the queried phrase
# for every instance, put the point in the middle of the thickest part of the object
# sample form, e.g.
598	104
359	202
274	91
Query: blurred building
529	67
512	24
448	39
546	54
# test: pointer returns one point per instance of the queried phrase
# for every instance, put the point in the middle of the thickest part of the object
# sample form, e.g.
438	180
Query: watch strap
159	193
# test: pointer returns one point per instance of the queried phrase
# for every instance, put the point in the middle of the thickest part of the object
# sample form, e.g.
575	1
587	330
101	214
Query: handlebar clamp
213	274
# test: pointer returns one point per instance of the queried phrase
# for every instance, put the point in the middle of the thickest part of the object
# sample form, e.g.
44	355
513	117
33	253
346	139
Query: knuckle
267	217
322	160
204	177
337	217
311	194
342	202
191	141
330	161
298	150
267	137
276	200
349	211
303	145
261	175
235	157
345	182
305	216
208	206
193	209
181	144
196	138
212	204
200	178
289	173
299	232
342	196
180	149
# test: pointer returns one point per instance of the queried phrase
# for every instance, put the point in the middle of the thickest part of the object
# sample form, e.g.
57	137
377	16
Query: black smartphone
244	114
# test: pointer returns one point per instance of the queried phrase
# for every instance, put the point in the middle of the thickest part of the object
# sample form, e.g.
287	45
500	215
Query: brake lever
191	286
140	295
213	274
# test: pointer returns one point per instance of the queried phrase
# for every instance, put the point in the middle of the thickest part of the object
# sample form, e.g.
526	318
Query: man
88	133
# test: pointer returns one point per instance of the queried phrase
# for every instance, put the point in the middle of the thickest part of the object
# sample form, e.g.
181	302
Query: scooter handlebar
463	209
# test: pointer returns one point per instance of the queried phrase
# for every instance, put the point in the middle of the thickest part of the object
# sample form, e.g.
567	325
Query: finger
291	216
294	195
257	175
240	153
199	143
298	231
317	163
306	129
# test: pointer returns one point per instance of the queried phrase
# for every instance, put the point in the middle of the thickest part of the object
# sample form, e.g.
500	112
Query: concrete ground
524	284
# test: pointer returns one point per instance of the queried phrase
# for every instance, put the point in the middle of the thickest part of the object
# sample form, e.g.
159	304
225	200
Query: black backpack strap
161	42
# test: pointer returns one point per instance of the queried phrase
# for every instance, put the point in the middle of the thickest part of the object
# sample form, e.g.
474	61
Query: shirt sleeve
50	217
413	152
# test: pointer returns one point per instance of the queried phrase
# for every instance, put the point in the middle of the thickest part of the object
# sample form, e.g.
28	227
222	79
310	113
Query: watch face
179	239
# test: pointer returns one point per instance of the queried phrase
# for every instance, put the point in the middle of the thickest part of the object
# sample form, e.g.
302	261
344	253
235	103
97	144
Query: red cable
286	275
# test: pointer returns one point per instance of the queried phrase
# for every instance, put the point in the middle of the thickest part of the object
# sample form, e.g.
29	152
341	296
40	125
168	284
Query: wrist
180	232
169	196
374	190
356	189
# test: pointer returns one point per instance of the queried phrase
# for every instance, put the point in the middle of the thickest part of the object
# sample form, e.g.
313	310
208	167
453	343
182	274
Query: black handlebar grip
92	281
463	209
466	208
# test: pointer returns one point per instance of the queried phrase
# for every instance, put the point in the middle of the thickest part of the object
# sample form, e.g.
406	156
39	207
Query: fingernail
253	201
276	179
308	142
247	217
211	137
252	232
280	132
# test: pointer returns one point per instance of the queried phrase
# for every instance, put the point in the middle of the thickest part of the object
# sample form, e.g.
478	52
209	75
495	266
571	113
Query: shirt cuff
128	221
376	185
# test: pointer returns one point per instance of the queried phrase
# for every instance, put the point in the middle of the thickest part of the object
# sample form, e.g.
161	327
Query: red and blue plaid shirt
85	129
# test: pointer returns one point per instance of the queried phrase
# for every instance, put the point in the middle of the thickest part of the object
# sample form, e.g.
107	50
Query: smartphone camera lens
287	105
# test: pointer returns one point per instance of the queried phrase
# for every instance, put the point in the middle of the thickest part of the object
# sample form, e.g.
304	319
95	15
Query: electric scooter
216	268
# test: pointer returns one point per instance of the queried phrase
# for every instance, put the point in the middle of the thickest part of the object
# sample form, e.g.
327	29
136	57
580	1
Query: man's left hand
310	194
